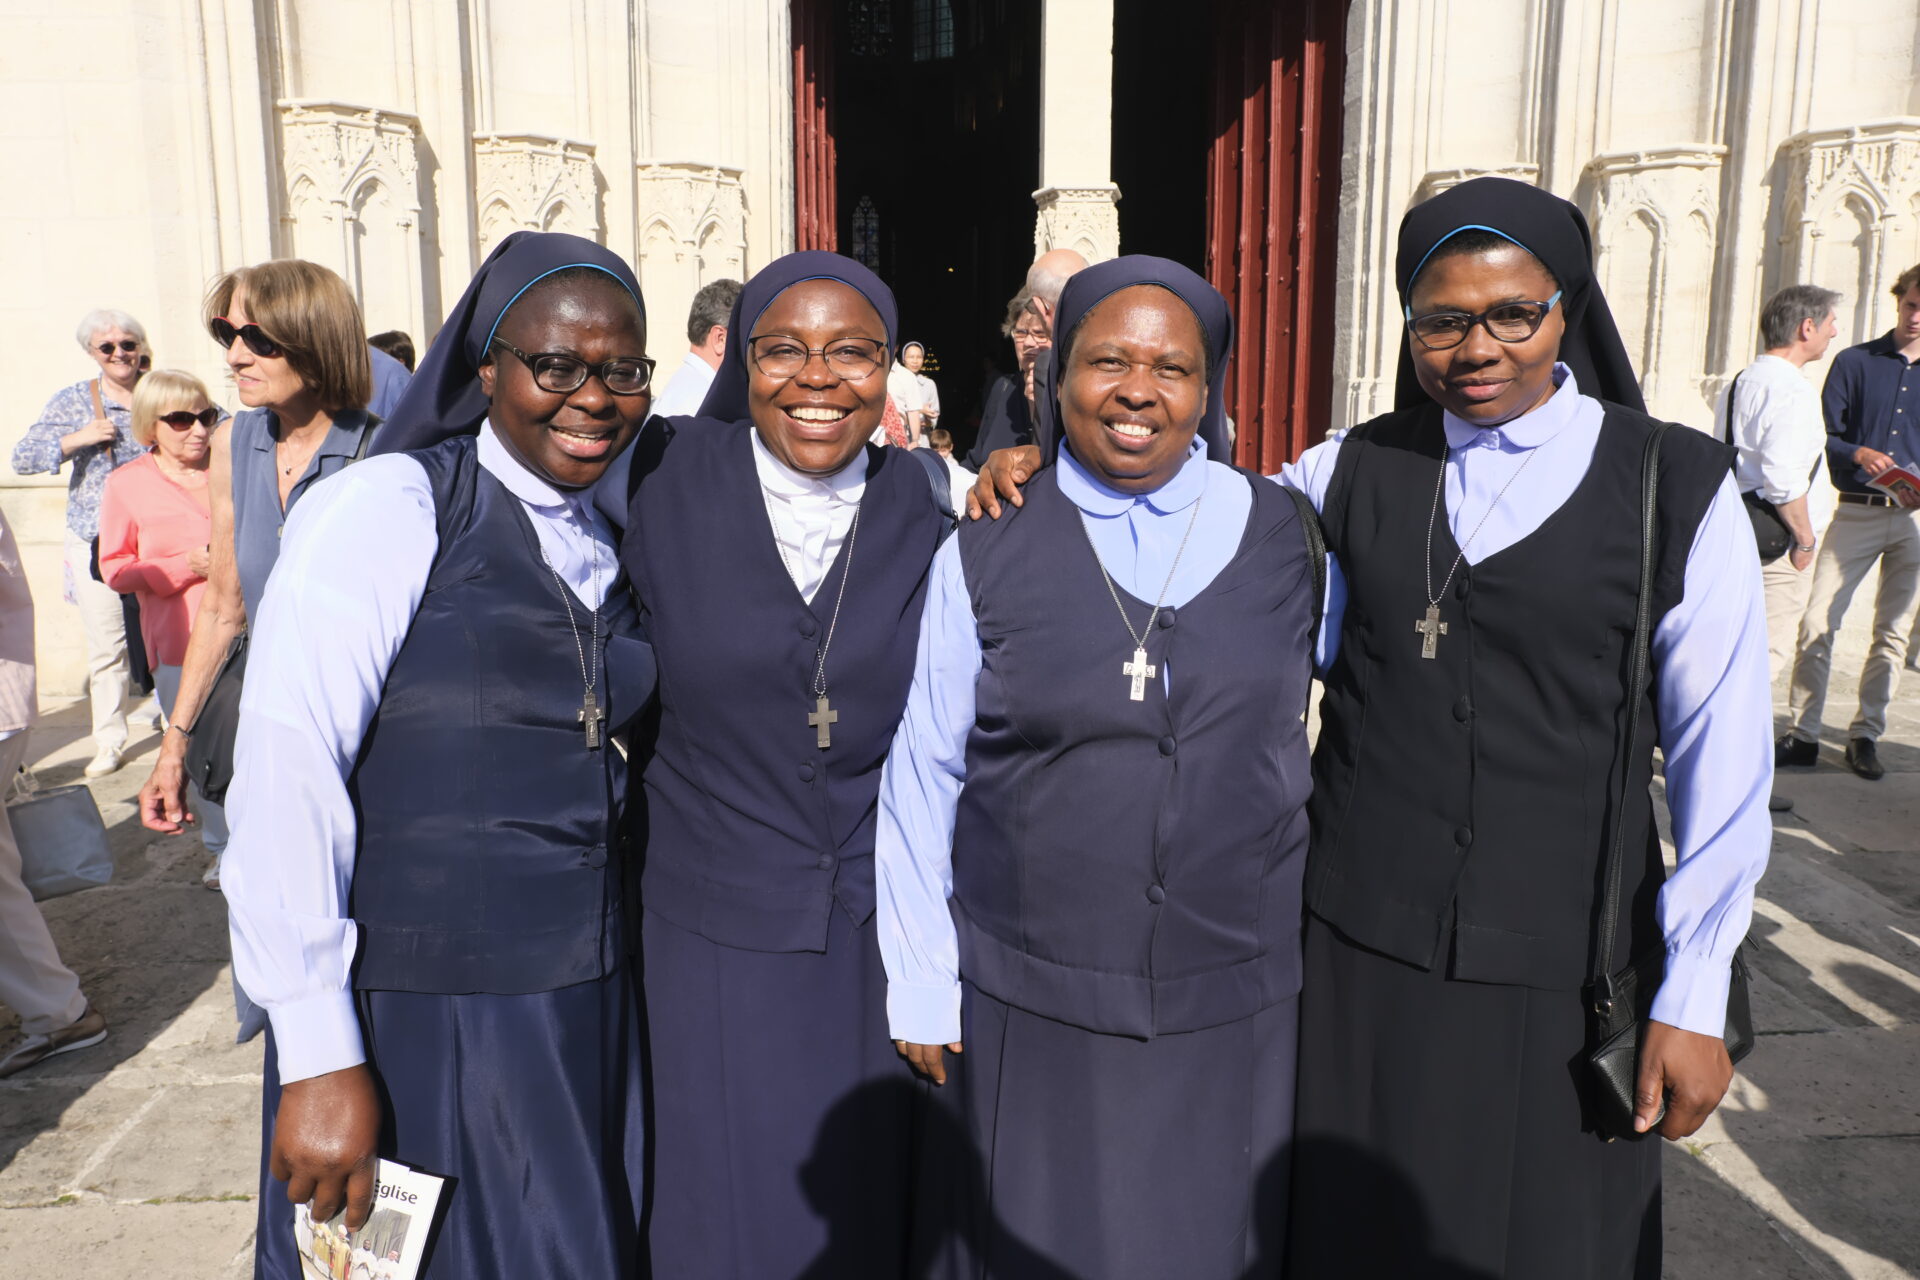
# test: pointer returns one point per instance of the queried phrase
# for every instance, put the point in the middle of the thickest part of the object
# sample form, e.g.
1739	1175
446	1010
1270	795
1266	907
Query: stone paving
138	1158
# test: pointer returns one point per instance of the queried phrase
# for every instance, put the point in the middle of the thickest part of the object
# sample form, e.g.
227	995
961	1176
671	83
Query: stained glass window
869	28
932	29
866	234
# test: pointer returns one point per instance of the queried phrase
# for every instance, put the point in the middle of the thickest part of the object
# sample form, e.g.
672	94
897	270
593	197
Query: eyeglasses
779	356
563	374
125	344
182	420
1508	322
224	331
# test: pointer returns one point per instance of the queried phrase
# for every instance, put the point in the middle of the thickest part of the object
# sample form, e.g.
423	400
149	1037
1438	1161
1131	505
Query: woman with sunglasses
88	424
155	527
429	851
296	347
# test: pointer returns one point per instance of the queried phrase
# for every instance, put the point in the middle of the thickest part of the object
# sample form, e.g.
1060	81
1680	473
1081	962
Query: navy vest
491	839
752	831
1467	800
1133	867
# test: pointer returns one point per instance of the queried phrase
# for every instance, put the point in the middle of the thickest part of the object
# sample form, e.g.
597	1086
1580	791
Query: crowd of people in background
444	924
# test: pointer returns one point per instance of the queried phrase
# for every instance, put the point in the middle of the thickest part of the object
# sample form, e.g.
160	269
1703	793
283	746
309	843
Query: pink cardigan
148	524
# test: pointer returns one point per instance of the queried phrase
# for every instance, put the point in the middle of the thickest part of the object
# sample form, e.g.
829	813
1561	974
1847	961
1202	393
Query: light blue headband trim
565	266
804	280
1472	226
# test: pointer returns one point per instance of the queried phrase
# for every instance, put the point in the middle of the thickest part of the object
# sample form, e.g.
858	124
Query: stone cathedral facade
1721	149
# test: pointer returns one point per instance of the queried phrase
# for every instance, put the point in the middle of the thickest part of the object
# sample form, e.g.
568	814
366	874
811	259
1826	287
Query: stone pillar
1077	196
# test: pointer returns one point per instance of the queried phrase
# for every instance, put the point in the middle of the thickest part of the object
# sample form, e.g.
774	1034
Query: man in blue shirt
1872	399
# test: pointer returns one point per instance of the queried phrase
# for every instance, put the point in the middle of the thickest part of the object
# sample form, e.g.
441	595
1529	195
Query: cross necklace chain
823	717
591	714
1430	628
1139	670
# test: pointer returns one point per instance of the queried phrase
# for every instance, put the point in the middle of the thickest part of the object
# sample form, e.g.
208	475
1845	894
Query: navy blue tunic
765	996
492	976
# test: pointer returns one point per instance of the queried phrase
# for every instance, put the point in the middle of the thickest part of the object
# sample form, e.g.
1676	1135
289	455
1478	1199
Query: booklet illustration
392	1244
1897	481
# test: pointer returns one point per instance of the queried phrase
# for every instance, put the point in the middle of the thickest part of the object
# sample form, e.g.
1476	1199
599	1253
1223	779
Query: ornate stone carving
1850	214
1082	218
693	230
1439	180
351	178
524	181
1654	214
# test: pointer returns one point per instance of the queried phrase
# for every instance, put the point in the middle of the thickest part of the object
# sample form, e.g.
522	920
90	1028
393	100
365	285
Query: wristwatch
1808	548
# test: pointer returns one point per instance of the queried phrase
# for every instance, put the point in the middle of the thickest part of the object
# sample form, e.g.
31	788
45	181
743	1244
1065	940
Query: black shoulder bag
1620	1003
209	759
1770	533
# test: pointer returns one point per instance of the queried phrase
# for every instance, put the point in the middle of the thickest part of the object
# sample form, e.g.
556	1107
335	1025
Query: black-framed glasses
224	331
1508	322
778	356
183	419
563	374
127	345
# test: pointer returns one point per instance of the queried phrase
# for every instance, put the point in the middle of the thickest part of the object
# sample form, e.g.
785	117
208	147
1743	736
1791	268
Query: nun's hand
1005	472
927	1060
1684	1070
325	1143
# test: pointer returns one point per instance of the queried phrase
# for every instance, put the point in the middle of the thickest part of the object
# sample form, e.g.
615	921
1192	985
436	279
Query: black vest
1468	799
752	831
491	841
1133	867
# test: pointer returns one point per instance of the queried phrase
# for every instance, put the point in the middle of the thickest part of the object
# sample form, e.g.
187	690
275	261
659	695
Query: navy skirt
1442	1132
1093	1155
530	1104
783	1123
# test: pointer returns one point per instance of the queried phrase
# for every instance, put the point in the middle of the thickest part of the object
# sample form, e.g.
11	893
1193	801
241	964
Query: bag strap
1639	659
937	476
99	407
366	438
1317	553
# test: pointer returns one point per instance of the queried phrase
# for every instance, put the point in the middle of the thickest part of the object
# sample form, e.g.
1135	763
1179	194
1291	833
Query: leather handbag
63	842
209	757
1619	1002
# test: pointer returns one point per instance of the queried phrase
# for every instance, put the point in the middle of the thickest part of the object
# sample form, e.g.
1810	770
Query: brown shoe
83	1032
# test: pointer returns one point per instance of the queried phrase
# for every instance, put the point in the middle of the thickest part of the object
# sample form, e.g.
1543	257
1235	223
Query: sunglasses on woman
125	344
224	331
183	420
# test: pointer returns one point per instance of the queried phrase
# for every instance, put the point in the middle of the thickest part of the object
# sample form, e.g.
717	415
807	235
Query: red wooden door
1273	179
815	208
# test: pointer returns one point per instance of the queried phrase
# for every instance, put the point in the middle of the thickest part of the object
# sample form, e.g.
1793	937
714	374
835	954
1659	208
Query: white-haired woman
89	424
156	525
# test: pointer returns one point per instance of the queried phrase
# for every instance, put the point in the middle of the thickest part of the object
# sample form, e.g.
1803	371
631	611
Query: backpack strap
941	480
1316	539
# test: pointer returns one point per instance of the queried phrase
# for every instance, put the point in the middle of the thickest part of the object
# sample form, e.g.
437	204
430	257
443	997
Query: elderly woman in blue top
89	425
427	859
1093	822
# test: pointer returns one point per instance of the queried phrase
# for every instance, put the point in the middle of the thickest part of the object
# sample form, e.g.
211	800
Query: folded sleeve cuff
316	1035
924	1014
1693	996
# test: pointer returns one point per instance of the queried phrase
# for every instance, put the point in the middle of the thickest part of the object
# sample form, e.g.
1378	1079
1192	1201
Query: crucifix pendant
822	718
592	716
1141	670
1430	629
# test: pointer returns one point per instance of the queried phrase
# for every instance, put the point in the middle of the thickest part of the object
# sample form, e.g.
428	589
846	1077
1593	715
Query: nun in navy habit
1093	821
1468	774
429	841
781	565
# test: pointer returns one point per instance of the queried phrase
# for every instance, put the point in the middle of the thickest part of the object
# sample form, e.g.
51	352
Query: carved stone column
1082	218
524	181
693	220
1654	215
352	202
1851	216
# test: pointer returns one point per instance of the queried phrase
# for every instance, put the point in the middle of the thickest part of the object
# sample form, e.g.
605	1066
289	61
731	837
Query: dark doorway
934	113
1162	103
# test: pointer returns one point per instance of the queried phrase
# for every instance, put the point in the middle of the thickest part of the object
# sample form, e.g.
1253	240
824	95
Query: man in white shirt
706	343
1772	415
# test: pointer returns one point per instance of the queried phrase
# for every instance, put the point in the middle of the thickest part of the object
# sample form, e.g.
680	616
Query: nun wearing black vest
429	849
1093	823
781	564
1466	778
